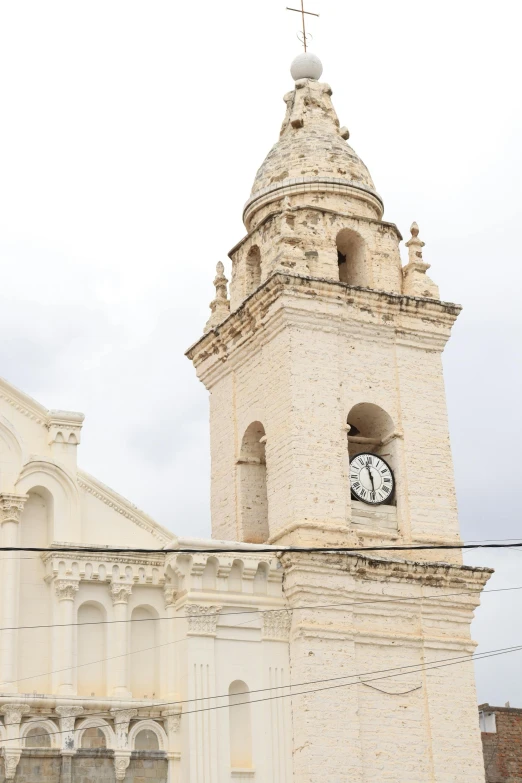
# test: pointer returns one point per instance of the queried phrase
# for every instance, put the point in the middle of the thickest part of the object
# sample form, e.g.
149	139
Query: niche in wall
253	269
253	485
351	258
240	725
371	430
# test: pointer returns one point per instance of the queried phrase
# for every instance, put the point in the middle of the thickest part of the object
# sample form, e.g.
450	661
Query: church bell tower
328	348
328	428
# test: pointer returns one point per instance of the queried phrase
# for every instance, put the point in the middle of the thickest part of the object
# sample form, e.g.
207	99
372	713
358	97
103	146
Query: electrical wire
274	550
420	668
256	611
386	599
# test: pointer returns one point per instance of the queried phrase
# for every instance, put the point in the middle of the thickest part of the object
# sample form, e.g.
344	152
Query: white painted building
183	660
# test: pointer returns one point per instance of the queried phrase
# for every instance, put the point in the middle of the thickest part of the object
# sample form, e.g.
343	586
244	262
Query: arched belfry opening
252	485
351	258
253	269
371	430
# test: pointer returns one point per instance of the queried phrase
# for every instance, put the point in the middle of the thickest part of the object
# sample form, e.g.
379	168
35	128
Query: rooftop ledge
271	287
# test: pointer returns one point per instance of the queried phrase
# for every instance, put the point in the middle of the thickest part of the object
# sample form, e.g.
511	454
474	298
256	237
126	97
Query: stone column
170	657
11	507
13	746
68	717
122	752
173	721
66	589
120	594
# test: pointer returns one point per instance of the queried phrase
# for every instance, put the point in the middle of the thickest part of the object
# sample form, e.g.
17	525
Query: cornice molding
123	506
373	567
434	318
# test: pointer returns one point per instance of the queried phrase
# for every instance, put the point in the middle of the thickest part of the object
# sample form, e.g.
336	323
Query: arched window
144	653
240	725
253	269
252	485
371	430
38	737
146	739
351	258
92	649
93	739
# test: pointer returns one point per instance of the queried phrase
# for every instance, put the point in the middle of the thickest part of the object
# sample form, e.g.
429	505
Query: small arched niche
252	485
371	430
146	739
240	725
93	738
38	737
253	269
351	258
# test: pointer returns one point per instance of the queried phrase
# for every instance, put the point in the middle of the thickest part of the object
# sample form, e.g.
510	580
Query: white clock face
371	479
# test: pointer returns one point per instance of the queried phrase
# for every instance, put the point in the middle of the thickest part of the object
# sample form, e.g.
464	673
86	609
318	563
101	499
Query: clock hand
371	477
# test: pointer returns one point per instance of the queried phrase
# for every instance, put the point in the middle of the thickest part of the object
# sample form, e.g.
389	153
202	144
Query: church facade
254	655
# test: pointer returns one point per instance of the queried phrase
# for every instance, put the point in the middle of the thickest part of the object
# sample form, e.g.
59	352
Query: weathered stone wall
37	766
411	725
147	768
93	766
298	363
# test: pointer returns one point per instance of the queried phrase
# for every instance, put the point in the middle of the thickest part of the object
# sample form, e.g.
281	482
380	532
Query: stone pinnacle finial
416	281
220	306
415	245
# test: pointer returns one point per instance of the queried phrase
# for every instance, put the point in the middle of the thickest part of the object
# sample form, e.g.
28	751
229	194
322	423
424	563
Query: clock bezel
388	500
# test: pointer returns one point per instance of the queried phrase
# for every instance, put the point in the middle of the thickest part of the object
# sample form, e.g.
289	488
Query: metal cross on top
302	12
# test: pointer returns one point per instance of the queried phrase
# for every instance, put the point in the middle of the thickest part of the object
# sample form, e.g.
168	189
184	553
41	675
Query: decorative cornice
301	185
122	506
23	403
65	423
11	507
410	319
392	569
202	620
66	588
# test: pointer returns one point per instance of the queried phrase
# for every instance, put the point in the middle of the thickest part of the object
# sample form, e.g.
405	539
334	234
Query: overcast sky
130	136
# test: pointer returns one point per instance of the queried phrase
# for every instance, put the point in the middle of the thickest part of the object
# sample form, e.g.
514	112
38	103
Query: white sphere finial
306	66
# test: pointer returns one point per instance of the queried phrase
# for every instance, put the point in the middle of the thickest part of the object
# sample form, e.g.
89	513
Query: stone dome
312	152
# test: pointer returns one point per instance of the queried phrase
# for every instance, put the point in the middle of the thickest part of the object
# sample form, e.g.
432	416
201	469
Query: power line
386	599
397	673
255	612
487	544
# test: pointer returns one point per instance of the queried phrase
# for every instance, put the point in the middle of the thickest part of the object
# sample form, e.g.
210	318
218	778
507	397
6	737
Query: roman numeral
387	480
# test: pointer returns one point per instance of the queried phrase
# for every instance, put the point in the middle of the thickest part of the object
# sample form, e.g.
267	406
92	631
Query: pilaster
120	593
63	635
201	691
11	507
